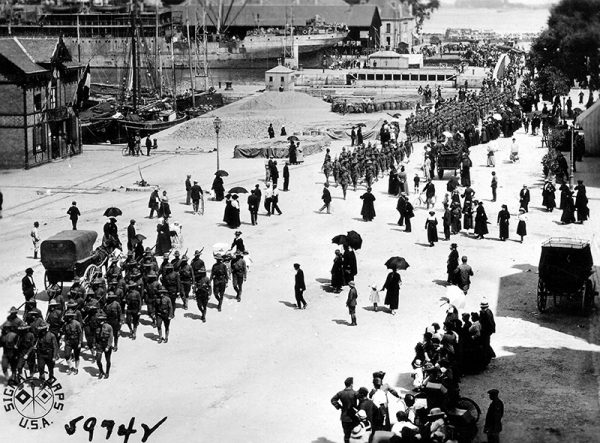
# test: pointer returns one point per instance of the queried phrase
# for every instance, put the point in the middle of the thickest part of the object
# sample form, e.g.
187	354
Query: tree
569	49
422	10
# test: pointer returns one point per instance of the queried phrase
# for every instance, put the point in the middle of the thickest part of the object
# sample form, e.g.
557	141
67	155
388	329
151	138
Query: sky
526	2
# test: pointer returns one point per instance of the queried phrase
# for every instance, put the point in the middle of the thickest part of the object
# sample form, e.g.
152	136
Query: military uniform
238	275
8	341
203	294
103	345
54	319
25	349
133	300
172	283
73	333
164	313
47	351
186	277
113	317
219	277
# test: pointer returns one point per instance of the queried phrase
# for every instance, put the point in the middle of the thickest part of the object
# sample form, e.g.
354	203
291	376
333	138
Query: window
388	40
387	76
378	76
397	77
52	98
37	101
362	77
422	78
405	77
388	28
282	79
414	77
431	78
370	76
270	78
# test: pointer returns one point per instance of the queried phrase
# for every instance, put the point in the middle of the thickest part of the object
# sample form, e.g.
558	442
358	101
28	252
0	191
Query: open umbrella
238	190
361	124
140	237
447	134
113	212
340	240
455	296
397	263
497	116
222	173
354	239
293	138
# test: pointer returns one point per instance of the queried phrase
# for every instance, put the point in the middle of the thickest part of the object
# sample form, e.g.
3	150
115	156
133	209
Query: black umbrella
354	240
340	240
397	263
238	190
293	138
113	212
222	173
361	124
140	237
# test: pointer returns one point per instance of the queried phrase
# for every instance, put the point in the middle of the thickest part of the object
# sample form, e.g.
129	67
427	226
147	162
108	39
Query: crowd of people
90	317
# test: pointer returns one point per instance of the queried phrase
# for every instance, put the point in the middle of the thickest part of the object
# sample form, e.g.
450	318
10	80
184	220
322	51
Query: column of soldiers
364	163
96	315
457	116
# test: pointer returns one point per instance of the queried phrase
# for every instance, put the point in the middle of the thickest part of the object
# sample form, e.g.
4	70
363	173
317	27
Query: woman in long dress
165	208
503	217
218	188
368	208
431	226
337	272
228	211
549	196
392	288
393	183
522	224
468	217
480	221
163	238
581	202
568	207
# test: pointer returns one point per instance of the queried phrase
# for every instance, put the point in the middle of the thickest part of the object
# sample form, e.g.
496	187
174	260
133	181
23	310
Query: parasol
497	116
361	124
238	190
140	237
448	134
221	173
455	296
113	212
354	239
340	240
293	138
397	263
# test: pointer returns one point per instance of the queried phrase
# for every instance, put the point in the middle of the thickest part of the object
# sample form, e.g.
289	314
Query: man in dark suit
524	198
326	197
131	240
28	285
74	214
253	204
238	243
196	195
188	189
346	401
286	177
299	287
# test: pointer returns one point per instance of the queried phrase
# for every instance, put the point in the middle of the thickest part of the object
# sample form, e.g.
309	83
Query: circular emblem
33	401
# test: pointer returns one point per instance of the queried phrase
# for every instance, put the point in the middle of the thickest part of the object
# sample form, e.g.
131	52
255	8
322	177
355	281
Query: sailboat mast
205	46
156	60
219	17
78	41
192	85
173	68
134	59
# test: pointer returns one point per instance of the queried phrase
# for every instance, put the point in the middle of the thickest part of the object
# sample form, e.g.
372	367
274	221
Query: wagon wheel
469	405
541	296
50	286
89	274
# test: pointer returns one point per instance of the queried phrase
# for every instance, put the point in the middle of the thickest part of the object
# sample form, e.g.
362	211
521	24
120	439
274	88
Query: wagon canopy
63	250
565	264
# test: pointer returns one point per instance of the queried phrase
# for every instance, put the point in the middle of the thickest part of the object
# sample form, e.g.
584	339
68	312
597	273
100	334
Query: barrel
386	106
378	107
370	108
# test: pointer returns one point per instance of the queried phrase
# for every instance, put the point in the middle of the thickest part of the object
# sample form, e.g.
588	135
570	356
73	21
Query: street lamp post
217	123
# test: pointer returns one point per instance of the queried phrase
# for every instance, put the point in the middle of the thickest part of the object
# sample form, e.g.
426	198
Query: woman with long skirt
522	224
337	272
431	227
568	207
368	208
481	228
503	217
392	288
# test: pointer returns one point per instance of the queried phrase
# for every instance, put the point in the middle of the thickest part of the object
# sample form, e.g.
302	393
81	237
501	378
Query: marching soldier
176	262
133	300
114	270
202	286
151	295
90	323
198	266
219	277
164	314
9	341
164	264
238	274
103	344
34	317
54	319
47	351
129	264
73	334
172	284
25	350
113	317
186	277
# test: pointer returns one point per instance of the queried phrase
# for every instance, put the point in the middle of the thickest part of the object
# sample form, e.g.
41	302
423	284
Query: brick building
38	86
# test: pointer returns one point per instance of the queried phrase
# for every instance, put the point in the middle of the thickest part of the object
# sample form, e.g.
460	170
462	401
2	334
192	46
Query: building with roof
589	120
280	78
398	24
38	86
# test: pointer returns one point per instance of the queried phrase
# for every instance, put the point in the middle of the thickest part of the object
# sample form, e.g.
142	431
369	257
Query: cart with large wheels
69	254
447	161
566	273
